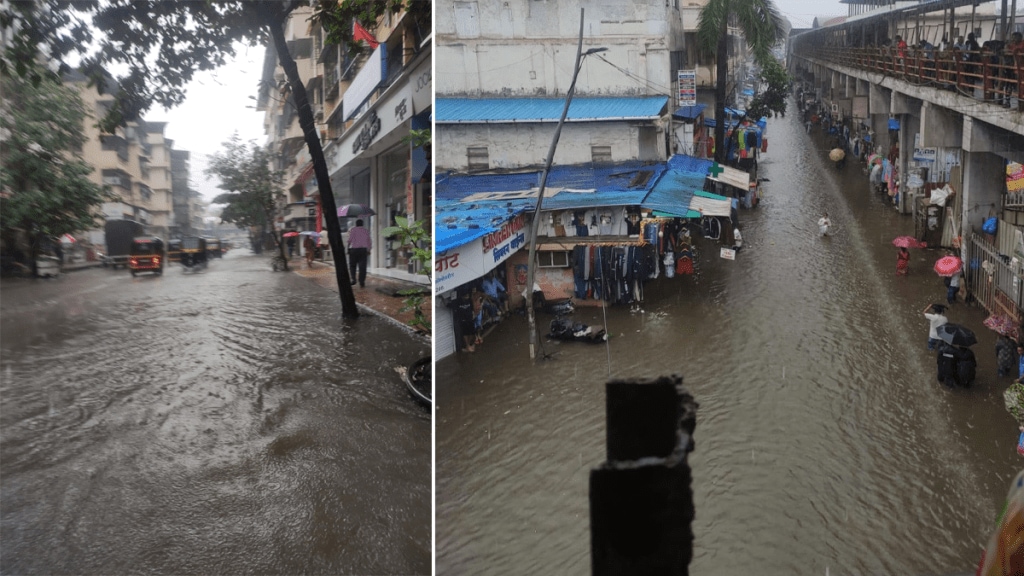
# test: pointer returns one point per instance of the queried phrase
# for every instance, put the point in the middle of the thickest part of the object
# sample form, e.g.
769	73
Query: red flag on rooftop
360	33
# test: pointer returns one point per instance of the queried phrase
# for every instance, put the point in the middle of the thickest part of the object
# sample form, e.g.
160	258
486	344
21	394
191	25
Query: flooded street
824	443
225	422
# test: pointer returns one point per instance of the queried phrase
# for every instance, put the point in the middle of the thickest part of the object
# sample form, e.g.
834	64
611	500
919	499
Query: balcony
979	75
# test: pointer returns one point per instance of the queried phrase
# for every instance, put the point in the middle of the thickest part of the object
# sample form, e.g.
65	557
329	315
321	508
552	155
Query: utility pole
535	226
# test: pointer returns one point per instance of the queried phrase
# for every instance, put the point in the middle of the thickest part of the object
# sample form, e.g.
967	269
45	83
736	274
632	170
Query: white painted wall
516	145
528	47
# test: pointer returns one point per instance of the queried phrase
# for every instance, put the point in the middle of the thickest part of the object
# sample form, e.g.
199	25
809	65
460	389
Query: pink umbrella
290	234
908	242
948	266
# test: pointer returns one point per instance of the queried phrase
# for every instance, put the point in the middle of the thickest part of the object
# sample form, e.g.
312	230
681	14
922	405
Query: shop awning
733	177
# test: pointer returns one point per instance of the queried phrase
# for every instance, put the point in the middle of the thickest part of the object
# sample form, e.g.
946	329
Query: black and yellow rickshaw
174	250
213	248
193	252
146	255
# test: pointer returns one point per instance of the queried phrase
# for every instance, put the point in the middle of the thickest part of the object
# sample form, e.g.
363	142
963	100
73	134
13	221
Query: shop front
375	164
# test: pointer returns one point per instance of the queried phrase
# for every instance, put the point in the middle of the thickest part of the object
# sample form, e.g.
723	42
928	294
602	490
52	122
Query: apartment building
133	163
365	103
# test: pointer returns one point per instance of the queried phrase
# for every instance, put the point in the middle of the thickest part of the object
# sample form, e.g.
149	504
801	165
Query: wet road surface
823	440
224	422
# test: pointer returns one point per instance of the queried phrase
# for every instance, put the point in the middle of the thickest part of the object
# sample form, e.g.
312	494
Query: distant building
134	163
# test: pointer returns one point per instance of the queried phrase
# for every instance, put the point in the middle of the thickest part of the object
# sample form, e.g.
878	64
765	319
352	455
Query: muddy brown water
824	443
226	422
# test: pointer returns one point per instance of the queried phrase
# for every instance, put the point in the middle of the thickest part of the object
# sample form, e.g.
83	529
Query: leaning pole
535	225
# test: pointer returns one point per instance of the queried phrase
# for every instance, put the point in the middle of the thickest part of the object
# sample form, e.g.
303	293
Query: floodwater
225	422
824	444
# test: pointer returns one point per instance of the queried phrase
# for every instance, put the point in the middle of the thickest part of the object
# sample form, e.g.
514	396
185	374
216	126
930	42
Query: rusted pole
641	501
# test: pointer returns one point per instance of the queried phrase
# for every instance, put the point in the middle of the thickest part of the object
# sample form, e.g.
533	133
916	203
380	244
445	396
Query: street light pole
532	263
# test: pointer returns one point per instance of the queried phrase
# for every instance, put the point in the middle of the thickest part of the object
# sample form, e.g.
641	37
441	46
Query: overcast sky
217	104
802	12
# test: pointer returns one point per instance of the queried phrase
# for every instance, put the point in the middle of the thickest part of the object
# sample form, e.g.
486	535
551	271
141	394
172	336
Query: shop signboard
421	85
1014	177
687	87
728	253
455	267
925	154
365	82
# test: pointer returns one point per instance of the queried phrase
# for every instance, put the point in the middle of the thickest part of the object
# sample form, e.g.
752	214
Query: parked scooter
566	329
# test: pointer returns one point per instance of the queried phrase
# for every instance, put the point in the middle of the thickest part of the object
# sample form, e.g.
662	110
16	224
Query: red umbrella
908	242
948	266
290	234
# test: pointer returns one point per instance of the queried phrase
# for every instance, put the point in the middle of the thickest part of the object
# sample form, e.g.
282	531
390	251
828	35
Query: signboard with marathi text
687	87
1014	177
468	262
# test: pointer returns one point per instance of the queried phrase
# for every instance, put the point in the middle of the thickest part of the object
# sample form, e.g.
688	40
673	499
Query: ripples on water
222	422
823	440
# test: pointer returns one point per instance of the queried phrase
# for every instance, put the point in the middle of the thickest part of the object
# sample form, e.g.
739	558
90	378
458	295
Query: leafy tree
45	187
762	26
773	96
414	238
162	43
252	188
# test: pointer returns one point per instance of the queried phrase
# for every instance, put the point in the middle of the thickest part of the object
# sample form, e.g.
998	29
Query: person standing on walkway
359	244
903	262
935	313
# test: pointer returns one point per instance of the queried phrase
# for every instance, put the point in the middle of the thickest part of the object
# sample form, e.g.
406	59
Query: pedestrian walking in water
945	363
310	247
359	245
1006	355
824	223
903	262
952	288
936	315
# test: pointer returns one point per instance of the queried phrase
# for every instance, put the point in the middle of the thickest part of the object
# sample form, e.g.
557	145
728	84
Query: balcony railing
995	78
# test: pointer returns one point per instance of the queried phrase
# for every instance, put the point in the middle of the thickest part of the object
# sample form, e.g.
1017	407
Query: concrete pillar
909	111
984	173
641	503
940	127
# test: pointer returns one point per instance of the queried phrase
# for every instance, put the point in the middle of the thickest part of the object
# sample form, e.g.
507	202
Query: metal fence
994	281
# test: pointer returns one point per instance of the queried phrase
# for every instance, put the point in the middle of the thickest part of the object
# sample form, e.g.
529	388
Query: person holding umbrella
949	267
359	245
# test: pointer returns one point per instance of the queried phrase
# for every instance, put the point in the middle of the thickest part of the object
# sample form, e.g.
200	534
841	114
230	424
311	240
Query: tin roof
582	109
689	112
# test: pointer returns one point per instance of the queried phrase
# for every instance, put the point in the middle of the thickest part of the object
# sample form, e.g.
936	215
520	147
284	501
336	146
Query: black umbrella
956	335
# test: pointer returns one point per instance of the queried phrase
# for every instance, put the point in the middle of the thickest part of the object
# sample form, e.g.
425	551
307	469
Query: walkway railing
990	77
993	281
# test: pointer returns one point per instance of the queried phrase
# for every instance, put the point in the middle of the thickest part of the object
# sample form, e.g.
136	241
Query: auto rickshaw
146	254
213	248
174	250
193	253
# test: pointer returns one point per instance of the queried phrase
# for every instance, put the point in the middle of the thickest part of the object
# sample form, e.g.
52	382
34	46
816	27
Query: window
477	158
145	192
554	259
601	154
